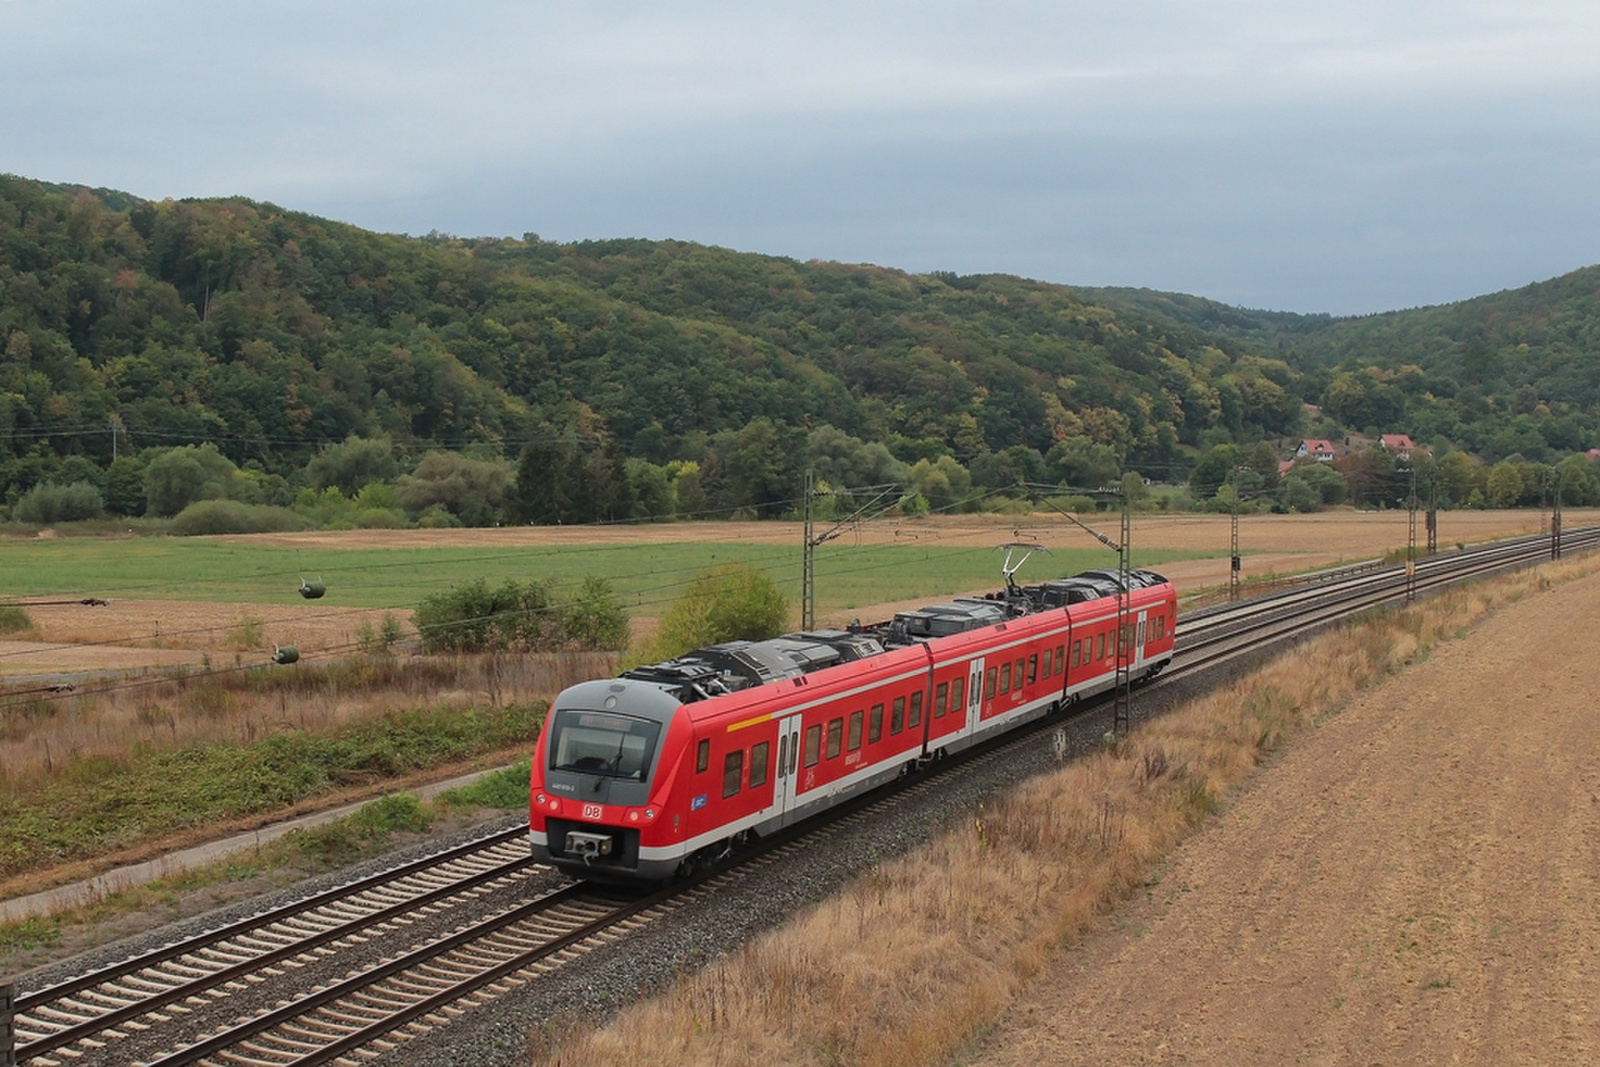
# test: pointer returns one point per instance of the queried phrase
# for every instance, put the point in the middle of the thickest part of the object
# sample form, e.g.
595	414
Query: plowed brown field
1416	881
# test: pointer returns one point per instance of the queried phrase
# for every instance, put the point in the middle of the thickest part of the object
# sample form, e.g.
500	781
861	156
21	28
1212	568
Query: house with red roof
1320	450
1396	444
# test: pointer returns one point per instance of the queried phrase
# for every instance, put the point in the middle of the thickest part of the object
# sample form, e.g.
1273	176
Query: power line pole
1411	539
1122	708
808	574
1555	513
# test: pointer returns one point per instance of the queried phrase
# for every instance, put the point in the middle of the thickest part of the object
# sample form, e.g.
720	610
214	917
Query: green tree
730	603
943	483
1214	470
470	489
1503	487
178	477
593	618
49	503
353	464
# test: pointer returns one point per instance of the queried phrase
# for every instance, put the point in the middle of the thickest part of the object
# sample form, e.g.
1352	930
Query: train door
1138	642
975	697
785	797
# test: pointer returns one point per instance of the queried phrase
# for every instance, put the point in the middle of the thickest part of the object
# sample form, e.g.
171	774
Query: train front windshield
599	742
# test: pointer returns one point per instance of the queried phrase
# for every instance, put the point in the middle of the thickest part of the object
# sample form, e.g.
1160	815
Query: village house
1397	445
1320	450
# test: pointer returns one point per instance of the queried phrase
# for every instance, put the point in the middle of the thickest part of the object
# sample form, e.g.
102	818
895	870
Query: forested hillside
603	379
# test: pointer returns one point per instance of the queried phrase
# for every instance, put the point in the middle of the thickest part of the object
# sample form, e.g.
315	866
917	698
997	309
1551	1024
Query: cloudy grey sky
1346	156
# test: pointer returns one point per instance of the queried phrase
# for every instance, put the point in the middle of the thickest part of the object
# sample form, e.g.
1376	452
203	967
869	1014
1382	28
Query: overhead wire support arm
1122	706
865	513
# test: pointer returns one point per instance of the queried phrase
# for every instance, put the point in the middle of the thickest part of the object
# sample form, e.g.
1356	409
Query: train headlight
539	800
649	813
633	816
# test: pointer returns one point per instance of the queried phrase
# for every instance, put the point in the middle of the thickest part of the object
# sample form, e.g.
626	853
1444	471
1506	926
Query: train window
989	680
1005	679
897	721
702	755
916	708
732	771
1033	667
1077	654
783	754
1061	655
855	729
835	736
758	763
794	755
813	744
958	694
875	724
1102	654
941	696
1016	671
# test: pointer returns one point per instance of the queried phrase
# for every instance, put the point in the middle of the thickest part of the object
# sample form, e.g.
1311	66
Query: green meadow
647	577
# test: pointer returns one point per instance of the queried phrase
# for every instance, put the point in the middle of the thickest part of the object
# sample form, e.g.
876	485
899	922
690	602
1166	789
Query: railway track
172	1005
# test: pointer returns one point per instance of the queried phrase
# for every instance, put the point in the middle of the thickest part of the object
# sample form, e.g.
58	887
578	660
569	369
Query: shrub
522	617
230	516
14	619
722	604
472	617
49	503
592	617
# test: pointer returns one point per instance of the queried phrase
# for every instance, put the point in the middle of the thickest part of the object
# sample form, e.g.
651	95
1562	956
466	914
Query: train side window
941	697
1102	654
732	771
989	680
1033	667
758	763
875	723
896	722
813	744
1016	671
1077	654
835	736
1061	655
1005	679
702	755
783	754
916	708
855	729
958	694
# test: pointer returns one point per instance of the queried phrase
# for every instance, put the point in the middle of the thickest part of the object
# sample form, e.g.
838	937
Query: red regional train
671	766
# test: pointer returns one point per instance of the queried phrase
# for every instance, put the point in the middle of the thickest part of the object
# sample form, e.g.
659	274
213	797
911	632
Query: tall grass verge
914	959
104	804
44	738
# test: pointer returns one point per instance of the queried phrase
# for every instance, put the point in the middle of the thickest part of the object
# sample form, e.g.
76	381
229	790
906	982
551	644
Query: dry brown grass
43	735
916	958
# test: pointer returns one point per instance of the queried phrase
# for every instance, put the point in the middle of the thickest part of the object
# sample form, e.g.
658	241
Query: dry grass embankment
44	736
916	958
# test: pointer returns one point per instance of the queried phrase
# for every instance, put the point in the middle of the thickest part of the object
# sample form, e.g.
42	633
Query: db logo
591	811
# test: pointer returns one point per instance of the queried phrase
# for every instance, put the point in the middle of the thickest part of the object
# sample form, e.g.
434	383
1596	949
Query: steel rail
28	1008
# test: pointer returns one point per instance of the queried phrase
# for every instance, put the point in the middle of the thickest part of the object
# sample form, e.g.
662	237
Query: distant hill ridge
274	333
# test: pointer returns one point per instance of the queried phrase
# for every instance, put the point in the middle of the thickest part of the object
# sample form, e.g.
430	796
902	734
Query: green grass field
646	577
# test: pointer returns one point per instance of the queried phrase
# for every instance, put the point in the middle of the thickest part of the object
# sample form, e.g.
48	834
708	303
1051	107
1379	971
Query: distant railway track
182	1003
